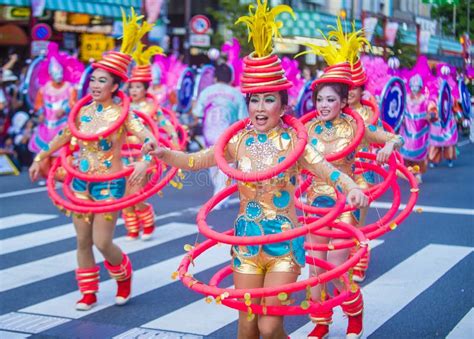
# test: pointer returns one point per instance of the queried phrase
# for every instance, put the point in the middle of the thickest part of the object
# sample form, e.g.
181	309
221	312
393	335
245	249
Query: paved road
420	283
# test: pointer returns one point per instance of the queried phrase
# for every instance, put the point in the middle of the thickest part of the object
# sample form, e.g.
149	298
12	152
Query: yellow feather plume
142	57
341	46
262	25
133	31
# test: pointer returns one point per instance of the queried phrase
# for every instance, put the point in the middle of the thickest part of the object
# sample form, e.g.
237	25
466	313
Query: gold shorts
263	263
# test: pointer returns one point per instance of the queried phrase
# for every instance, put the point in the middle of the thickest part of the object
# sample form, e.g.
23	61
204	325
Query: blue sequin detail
335	175
105	145
372	128
283	200
293	180
353	167
86	118
379	123
84	165
236	262
45	147
314	141
146	140
351	156
61	132
147	158
253	210
249	141
100	108
281	175
318	129
163	122
247	228
323	201
262	137
107	163
328	124
339	188
356	214
281	159
285	136
369	177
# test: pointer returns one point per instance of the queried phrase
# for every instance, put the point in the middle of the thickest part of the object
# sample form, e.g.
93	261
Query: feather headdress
142	71
263	71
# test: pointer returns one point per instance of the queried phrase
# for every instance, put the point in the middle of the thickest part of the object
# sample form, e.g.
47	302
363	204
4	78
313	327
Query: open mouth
261	119
95	93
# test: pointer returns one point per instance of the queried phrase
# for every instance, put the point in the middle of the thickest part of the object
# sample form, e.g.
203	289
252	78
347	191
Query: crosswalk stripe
23	219
22	192
427	209
144	280
37	238
48	267
388	294
13	335
145	333
465	328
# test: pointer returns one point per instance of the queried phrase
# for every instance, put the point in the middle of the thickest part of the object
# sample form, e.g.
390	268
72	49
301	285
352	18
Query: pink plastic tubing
374	192
94	137
104	207
354	143
374	109
262	239
335	272
289	161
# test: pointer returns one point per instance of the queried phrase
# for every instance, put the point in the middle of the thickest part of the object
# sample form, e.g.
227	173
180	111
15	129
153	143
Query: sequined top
102	156
333	136
147	107
266	207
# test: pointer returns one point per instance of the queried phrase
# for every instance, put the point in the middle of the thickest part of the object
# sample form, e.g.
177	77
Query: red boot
360	269
322	320
123	274
147	219
88	282
353	307
132	224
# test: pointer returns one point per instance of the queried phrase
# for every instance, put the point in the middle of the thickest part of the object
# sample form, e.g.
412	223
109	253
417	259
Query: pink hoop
289	161
94	137
354	143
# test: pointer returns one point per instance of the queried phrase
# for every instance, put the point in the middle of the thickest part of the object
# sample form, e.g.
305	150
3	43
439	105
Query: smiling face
137	91
355	95
329	103
265	110
102	85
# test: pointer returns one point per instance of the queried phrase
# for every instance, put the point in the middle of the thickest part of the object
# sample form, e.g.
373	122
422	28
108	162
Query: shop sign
94	45
200	40
39	47
17	13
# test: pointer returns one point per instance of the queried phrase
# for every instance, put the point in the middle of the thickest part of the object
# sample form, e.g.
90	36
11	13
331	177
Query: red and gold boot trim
353	307
88	282
147	220
123	274
132	224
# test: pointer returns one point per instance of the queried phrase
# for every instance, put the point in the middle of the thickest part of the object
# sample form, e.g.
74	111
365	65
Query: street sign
200	24
41	32
200	40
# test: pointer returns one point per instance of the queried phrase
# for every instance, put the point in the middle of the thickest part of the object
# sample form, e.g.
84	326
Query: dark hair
145	84
341	89
283	97
116	80
223	73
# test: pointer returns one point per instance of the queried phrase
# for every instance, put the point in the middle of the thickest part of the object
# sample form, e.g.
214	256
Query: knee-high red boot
88	282
123	274
132	224
147	220
322	320
353	307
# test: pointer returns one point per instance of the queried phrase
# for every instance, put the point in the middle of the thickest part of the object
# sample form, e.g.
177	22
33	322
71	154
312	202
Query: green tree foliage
227	14
445	13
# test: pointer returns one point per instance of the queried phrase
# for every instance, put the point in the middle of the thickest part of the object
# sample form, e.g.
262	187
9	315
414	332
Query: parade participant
331	132
141	216
415	128
219	106
266	207
443	138
53	100
102	157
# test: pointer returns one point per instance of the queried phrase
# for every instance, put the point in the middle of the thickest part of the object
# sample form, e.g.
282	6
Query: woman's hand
34	171
158	152
149	146
138	173
385	153
357	198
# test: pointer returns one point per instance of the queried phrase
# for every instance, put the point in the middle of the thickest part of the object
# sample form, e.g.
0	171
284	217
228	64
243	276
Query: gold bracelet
37	158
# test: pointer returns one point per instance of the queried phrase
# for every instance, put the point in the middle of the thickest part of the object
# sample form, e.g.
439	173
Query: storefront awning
109	8
13	35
